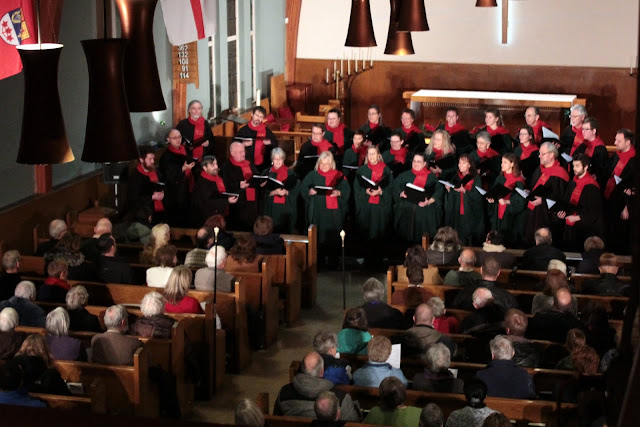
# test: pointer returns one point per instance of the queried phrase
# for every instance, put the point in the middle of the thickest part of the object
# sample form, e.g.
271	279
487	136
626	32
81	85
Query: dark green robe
371	219
471	224
512	224
446	174
397	168
410	220
284	215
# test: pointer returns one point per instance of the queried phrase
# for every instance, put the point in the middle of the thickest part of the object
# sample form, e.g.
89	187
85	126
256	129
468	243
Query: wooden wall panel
610	92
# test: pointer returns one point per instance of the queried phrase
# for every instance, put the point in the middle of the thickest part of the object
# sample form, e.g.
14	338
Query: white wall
592	33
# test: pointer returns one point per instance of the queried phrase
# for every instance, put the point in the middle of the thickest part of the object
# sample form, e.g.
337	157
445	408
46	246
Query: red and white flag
16	27
189	20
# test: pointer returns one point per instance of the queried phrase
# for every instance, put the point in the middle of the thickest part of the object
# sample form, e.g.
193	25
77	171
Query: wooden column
505	21
291	43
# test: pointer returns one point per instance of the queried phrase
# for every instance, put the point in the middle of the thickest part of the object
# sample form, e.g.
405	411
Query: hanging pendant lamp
360	33
412	16
44	138
109	134
144	92
398	42
486	3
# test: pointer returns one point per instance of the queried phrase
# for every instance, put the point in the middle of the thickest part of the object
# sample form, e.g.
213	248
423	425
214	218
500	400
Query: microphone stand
215	295
344	283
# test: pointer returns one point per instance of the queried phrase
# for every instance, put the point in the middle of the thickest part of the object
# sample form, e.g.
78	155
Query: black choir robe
591	217
187	129
378	136
566	139
247	132
463	143
540	216
206	201
415	142
619	232
176	190
139	192
308	157
599	163
347	135
243	213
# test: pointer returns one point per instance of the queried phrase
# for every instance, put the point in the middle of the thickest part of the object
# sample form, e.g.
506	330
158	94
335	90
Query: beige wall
590	33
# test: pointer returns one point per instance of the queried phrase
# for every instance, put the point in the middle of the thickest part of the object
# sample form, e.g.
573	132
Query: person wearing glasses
594	147
571	137
311	150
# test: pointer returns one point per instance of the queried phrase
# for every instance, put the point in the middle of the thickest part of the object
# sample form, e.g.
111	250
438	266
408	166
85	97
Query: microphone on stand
344	284
215	268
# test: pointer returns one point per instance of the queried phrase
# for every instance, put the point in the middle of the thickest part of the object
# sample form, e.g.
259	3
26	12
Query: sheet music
480	190
550	203
394	357
367	179
446	183
567	157
523	193
547	133
415	187
617	179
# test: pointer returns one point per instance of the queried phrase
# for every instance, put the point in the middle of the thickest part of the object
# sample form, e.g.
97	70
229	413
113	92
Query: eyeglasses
540	154
586	129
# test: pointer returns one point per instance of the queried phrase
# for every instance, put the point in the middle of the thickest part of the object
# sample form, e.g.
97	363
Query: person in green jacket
464	205
391	410
280	199
507	214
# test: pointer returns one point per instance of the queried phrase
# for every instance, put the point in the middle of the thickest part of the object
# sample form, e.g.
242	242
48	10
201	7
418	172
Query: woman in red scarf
486	159
196	131
439	148
507	214
280	200
411	134
398	158
527	152
464	207
377	133
500	139
373	206
326	207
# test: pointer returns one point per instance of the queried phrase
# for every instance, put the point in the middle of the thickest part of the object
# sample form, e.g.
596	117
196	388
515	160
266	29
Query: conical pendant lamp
412	16
398	43
44	138
360	33
144	92
486	3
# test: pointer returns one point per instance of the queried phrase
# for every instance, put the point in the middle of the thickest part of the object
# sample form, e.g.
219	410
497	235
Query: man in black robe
144	190
594	147
237	174
208	196
571	137
196	132
176	169
459	135
311	150
258	139
337	132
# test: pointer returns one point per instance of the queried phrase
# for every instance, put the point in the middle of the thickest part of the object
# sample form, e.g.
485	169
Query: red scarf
153	177
455	129
510	181
214	178
468	187
554	170
489	154
321	146
331	180
372	126
410	131
578	139
338	136
377	172
198	132
281	175
438	153
247	173
54	281
500	130
399	155
591	145
258	149
623	159
183	152
586	179
537	131
528	151
421	177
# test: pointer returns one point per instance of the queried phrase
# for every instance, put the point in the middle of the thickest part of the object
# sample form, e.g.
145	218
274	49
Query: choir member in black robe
500	139
571	136
337	132
208	196
486	160
527	153
237	175
439	152
398	158
144	191
594	147
258	139
310	151
196	131
532	117
376	132
584	219
176	169
618	193
411	134
459	135
554	178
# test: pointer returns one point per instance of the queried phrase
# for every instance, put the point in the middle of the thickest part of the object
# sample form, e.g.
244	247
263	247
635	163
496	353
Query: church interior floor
269	368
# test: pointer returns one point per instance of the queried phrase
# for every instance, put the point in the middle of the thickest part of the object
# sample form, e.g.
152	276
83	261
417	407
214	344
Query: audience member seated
268	242
417	255
166	259
489	271
80	318
195	257
431	416
225	239
61	345
526	353
575	338
502	377
445	248
353	338
553	325
29	314
114	347
176	292
417	339
10	340
377	368
538	257
90	247
476	411
487	314
391	410
338	371
327	409
139	230
153	323
600	335
12	390
465	275
10	276
68	250
111	268
593	248
608	283
205	277
298	398
436	376
554	280
442	322
494	248
379	313
585	362
57	229
248	414
55	287
496	420
243	256
414	294
37	364
160	236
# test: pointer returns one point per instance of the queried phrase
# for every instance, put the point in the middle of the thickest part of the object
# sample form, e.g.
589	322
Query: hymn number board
184	60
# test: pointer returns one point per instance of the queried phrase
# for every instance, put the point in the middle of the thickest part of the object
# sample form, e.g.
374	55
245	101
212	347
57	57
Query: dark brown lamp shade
412	16
486	3
398	43
144	92
109	135
44	138
360	33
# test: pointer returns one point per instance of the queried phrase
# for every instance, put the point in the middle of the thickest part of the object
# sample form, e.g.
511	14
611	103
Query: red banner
16	27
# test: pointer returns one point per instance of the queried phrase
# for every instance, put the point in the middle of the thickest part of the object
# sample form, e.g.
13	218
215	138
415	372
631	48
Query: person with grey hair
10	340
57	229
207	198
502	377
436	376
10	276
442	322
195	258
237	173
204	277
61	345
196	131
336	370
81	319
248	413
298	397
571	136
465	275
485	159
90	246
114	347
280	199
327	409
153	323
487	316
379	313
538	257
29	313
377	368
431	416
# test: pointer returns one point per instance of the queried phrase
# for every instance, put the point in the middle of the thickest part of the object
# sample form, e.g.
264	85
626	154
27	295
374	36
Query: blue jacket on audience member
372	374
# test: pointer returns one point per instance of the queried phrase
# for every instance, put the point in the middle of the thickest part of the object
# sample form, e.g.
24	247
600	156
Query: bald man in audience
417	339
465	275
553	325
327	409
487	315
490	272
57	229
237	174
90	246
538	256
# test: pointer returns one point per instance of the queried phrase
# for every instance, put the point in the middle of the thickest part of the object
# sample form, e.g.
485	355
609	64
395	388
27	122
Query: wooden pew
288	277
82	404
283	421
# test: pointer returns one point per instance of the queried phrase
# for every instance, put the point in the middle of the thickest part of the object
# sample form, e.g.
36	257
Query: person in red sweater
176	292
442	322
